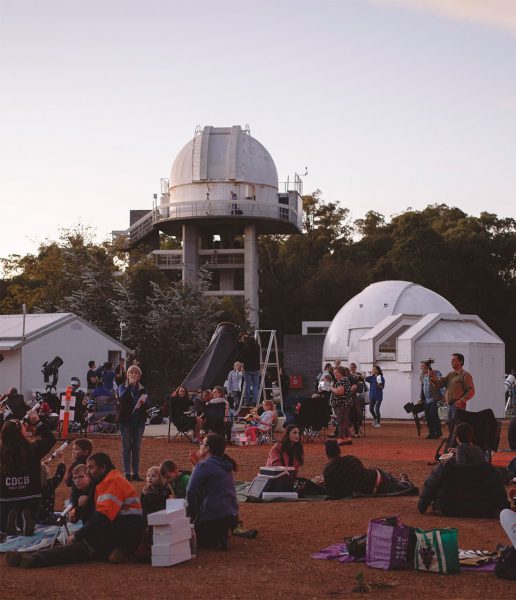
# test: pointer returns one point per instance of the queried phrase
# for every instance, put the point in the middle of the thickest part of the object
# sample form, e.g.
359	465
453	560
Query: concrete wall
303	357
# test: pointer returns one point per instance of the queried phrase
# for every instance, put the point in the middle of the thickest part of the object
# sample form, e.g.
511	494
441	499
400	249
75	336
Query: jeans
392	485
131	442
374	409
432	419
251	378
452	409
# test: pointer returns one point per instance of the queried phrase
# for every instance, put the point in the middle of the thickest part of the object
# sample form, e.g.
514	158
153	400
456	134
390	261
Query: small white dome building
398	324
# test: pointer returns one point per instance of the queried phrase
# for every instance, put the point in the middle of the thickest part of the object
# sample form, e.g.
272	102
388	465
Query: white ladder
269	357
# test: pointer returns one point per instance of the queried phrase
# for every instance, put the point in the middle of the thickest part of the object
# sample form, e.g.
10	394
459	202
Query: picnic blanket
242	487
42	538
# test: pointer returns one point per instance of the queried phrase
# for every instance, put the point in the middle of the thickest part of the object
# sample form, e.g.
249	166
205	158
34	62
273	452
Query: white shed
396	325
28	343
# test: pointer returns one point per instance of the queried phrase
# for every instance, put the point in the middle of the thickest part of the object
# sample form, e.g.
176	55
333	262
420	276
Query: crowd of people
113	515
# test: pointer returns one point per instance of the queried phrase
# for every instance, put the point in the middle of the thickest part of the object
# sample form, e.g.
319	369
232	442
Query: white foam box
181	523
166	517
272	495
177	534
172	550
177	553
175	504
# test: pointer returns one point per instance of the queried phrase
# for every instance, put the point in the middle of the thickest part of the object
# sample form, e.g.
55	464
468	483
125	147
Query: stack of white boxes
171	534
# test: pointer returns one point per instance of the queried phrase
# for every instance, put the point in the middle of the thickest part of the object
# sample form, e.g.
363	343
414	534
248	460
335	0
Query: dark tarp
217	360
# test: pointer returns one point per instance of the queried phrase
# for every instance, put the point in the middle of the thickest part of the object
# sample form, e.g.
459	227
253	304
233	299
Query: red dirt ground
277	564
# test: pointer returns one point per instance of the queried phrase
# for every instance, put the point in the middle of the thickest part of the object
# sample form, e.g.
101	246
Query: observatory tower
222	193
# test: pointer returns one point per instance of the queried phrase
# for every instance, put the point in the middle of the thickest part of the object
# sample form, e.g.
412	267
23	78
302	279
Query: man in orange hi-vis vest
113	531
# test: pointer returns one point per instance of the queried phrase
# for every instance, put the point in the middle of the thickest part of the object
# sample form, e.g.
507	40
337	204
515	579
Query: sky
390	104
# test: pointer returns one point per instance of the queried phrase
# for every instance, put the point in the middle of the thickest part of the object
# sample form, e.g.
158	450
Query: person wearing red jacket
112	533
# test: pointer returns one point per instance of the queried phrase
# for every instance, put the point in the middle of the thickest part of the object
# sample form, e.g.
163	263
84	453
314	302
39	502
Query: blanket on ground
42	538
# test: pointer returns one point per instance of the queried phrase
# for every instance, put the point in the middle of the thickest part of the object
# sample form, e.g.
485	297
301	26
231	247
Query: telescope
415	410
51	369
60	449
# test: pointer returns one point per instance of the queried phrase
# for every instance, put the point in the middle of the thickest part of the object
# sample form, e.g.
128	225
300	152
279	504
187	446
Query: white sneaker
376	424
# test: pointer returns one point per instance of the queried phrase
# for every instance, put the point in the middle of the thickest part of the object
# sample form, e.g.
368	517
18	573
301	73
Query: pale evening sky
390	103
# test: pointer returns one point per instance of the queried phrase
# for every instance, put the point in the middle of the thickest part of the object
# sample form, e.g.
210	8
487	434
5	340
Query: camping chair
313	417
214	415
486	430
178	411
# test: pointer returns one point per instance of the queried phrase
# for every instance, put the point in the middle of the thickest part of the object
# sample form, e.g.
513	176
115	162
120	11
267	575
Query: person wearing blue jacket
211	493
376	383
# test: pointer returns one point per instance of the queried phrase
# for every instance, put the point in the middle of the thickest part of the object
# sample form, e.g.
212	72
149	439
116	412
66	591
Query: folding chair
313	417
214	415
486	430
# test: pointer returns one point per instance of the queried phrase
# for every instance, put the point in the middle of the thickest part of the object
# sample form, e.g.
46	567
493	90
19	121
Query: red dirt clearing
277	564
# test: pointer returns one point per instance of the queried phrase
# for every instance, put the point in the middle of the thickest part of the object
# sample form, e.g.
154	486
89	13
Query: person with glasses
211	493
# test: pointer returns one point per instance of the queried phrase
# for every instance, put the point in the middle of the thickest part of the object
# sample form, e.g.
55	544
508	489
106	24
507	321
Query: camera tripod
62	523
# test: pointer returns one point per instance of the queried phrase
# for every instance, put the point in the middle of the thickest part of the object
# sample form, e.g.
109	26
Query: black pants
214	533
32	504
68	554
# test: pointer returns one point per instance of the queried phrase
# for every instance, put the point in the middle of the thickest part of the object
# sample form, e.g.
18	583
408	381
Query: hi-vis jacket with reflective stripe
115	496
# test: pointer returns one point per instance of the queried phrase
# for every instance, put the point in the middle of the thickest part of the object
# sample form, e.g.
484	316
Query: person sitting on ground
81	450
345	476
464	489
20	473
211	493
48	491
112	533
466	452
262	423
176	479
82	495
154	495
289	451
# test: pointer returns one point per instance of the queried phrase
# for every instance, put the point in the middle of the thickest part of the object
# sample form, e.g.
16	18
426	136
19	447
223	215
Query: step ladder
269	359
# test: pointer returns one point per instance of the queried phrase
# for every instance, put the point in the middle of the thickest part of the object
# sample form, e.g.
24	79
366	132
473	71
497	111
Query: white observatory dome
223	154
372	305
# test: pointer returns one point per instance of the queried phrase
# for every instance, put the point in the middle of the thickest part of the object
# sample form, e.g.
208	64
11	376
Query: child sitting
48	491
262	423
82	495
81	449
176	479
155	493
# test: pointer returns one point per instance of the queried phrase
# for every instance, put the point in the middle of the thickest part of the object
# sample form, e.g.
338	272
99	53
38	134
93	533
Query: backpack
506	565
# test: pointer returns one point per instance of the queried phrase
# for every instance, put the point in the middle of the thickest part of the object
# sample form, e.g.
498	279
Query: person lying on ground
345	476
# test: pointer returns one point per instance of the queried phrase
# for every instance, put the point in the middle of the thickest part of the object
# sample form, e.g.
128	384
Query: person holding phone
132	415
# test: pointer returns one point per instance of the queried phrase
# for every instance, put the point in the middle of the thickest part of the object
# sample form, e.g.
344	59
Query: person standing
235	380
357	411
132	415
91	378
20	473
459	386
250	357
16	405
120	372
341	400
430	395
376	383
